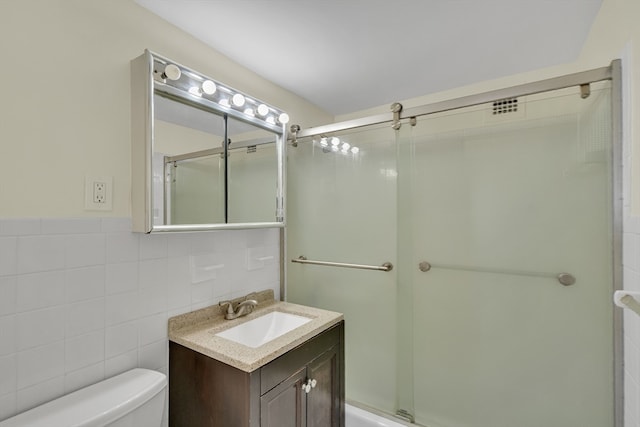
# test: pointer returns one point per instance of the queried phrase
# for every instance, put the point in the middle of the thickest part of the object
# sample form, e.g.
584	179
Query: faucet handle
228	304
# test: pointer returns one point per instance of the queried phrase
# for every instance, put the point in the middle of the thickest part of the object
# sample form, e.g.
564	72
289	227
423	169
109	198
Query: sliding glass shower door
498	221
342	208
509	204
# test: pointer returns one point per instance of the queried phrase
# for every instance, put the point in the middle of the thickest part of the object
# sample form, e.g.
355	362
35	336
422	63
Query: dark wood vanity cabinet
309	397
303	387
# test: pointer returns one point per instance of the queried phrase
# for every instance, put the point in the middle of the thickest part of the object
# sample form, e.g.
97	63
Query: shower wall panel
528	194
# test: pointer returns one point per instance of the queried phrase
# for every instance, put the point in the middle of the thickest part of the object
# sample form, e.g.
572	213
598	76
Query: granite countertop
196	330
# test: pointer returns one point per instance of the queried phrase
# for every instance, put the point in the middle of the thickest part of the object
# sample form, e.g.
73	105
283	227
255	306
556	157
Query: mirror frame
145	82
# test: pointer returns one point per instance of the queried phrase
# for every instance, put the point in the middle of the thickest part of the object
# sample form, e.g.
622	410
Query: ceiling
349	55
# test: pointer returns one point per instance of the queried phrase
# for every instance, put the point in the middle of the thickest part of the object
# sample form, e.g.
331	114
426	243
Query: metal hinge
396	108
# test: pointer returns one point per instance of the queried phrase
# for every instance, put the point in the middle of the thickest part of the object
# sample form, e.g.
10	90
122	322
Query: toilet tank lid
97	404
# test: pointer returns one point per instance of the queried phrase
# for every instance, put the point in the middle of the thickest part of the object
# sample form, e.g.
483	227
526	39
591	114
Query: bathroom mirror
204	156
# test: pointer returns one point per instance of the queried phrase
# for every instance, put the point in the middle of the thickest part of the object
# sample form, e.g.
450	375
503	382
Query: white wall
615	27
65	99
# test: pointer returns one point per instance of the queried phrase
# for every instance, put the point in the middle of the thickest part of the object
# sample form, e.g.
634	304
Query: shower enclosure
499	218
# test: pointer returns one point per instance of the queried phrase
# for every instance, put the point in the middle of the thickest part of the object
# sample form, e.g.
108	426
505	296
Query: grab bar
565	279
387	266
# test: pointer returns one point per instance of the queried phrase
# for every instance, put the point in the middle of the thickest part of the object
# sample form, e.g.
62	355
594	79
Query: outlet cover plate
90	183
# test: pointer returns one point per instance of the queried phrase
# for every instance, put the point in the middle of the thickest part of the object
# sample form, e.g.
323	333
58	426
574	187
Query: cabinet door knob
309	384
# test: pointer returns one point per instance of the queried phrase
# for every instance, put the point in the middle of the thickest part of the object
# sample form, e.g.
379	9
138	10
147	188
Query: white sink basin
263	329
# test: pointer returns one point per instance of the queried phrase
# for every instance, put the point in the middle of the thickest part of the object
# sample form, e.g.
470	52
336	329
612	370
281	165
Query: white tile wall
630	254
631	322
85	299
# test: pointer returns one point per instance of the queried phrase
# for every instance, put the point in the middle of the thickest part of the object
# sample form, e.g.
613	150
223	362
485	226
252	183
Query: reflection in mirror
204	156
196	191
252	173
188	165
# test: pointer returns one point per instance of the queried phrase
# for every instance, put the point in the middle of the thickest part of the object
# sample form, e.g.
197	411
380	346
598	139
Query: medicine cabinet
204	155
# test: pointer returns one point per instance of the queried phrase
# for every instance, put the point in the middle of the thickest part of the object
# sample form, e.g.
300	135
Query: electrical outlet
98	193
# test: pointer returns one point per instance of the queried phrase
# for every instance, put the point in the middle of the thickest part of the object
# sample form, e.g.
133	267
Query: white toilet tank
135	398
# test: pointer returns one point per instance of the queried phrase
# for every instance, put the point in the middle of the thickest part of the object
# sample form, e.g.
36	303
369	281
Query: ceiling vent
505	110
505	106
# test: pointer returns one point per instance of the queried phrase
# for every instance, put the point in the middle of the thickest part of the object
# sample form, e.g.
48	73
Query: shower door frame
613	73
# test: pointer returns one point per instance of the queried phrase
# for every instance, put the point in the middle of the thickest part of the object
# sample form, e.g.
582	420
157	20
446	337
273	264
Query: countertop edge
201	336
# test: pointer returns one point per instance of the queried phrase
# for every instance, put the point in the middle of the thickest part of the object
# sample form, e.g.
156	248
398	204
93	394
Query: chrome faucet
241	309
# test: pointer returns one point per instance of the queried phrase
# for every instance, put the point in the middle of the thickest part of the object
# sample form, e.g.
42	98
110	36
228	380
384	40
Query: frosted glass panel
525	190
342	207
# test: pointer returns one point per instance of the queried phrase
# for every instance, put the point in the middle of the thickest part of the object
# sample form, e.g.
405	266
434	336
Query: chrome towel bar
565	279
387	266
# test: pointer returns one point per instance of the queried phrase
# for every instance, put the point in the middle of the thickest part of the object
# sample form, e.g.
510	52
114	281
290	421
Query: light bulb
263	110
323	141
171	72
345	147
249	112
355	150
283	118
271	120
209	87
238	100
335	141
195	91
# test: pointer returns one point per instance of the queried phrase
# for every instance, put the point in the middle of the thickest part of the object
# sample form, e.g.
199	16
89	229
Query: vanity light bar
169	77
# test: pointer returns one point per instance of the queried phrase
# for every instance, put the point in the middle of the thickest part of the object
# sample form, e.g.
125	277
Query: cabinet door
323	401
285	406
